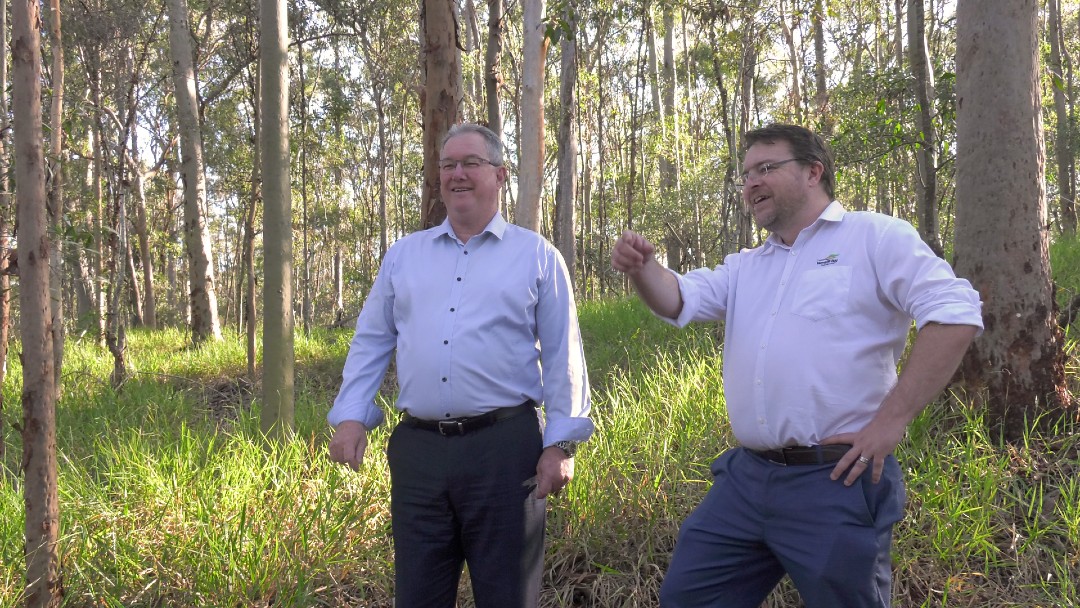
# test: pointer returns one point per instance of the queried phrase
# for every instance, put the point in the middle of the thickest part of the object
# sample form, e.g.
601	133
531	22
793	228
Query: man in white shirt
816	320
482	317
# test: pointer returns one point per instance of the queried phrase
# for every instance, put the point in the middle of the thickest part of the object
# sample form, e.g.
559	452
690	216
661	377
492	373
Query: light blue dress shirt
813	332
476	326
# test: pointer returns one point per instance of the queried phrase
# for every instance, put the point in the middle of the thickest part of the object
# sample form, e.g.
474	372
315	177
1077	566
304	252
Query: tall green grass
170	497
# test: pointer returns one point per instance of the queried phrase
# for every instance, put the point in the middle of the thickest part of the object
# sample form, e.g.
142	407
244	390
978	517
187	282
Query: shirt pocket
823	293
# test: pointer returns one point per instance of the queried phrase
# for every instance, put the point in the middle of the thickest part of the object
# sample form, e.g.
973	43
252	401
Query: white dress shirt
476	326
814	331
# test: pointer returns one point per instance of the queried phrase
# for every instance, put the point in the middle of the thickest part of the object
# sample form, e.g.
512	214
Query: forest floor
169	496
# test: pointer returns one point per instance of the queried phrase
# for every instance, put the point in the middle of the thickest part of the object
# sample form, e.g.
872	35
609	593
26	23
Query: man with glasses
481	314
816	320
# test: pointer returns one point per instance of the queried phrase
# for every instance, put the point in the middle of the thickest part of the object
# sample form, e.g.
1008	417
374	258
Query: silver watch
570	447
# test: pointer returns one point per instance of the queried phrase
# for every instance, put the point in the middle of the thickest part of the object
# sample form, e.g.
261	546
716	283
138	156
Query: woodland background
201	171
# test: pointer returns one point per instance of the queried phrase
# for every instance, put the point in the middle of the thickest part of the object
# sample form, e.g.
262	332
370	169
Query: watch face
570	447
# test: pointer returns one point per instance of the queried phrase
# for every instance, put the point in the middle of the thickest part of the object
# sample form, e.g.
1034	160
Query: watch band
570	447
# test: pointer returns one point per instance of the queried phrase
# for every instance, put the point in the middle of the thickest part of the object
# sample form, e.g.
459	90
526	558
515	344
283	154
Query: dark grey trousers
467	499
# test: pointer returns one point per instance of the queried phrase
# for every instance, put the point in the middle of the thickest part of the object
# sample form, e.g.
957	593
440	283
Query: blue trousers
761	520
467	499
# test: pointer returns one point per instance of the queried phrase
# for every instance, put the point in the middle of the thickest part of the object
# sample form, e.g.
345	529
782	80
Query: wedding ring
864	460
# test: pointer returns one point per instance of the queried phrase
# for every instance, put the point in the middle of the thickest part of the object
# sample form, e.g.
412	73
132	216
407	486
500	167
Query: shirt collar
833	213
497	227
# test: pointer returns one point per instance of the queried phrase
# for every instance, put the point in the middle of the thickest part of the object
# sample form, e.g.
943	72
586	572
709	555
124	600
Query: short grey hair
494	144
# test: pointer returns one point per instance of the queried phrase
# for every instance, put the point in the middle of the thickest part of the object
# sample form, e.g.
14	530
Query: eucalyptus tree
926	133
1063	135
441	100
44	582
6	212
278	354
1001	238
55	188
565	232
203	292
492	55
530	173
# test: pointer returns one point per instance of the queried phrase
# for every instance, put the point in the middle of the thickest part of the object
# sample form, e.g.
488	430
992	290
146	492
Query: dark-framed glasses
761	171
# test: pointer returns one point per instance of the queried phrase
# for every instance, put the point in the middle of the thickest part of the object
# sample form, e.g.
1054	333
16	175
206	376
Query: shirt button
445	341
459	278
452	309
758	382
444	379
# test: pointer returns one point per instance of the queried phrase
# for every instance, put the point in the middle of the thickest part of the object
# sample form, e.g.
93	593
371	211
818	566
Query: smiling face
471	195
789	198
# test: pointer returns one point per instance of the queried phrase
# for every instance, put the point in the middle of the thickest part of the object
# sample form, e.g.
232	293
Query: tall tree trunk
566	186
898	32
669	171
137	319
98	188
929	224
793	60
142	232
248	254
305	220
531	165
203	295
474	80
821	95
748	72
492	79
6	211
601	164
278	354
384	160
44	585
1063	150
115	323
1001	238
441	99
56	190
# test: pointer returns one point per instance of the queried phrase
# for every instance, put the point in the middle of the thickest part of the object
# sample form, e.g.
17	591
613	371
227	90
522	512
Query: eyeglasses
469	163
761	171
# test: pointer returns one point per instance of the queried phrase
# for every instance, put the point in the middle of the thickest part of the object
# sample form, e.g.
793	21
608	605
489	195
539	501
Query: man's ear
816	171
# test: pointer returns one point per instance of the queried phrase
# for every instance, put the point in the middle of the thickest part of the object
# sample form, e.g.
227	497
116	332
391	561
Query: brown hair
806	146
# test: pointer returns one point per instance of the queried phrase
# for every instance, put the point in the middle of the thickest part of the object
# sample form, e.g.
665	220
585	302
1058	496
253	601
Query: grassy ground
168	497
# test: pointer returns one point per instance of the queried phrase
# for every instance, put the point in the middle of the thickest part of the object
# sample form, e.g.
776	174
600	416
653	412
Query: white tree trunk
278	357
530	174
203	295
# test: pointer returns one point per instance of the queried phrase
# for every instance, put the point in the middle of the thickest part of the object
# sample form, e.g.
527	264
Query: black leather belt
801	455
468	424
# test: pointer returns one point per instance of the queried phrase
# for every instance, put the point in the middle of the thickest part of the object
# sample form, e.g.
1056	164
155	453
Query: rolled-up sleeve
922	284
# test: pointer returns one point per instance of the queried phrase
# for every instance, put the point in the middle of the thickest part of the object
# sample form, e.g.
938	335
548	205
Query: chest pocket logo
823	293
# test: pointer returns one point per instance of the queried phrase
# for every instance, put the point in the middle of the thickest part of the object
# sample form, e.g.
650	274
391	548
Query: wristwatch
570	447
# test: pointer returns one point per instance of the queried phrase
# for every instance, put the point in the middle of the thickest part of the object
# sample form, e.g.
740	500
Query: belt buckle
458	427
783	457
